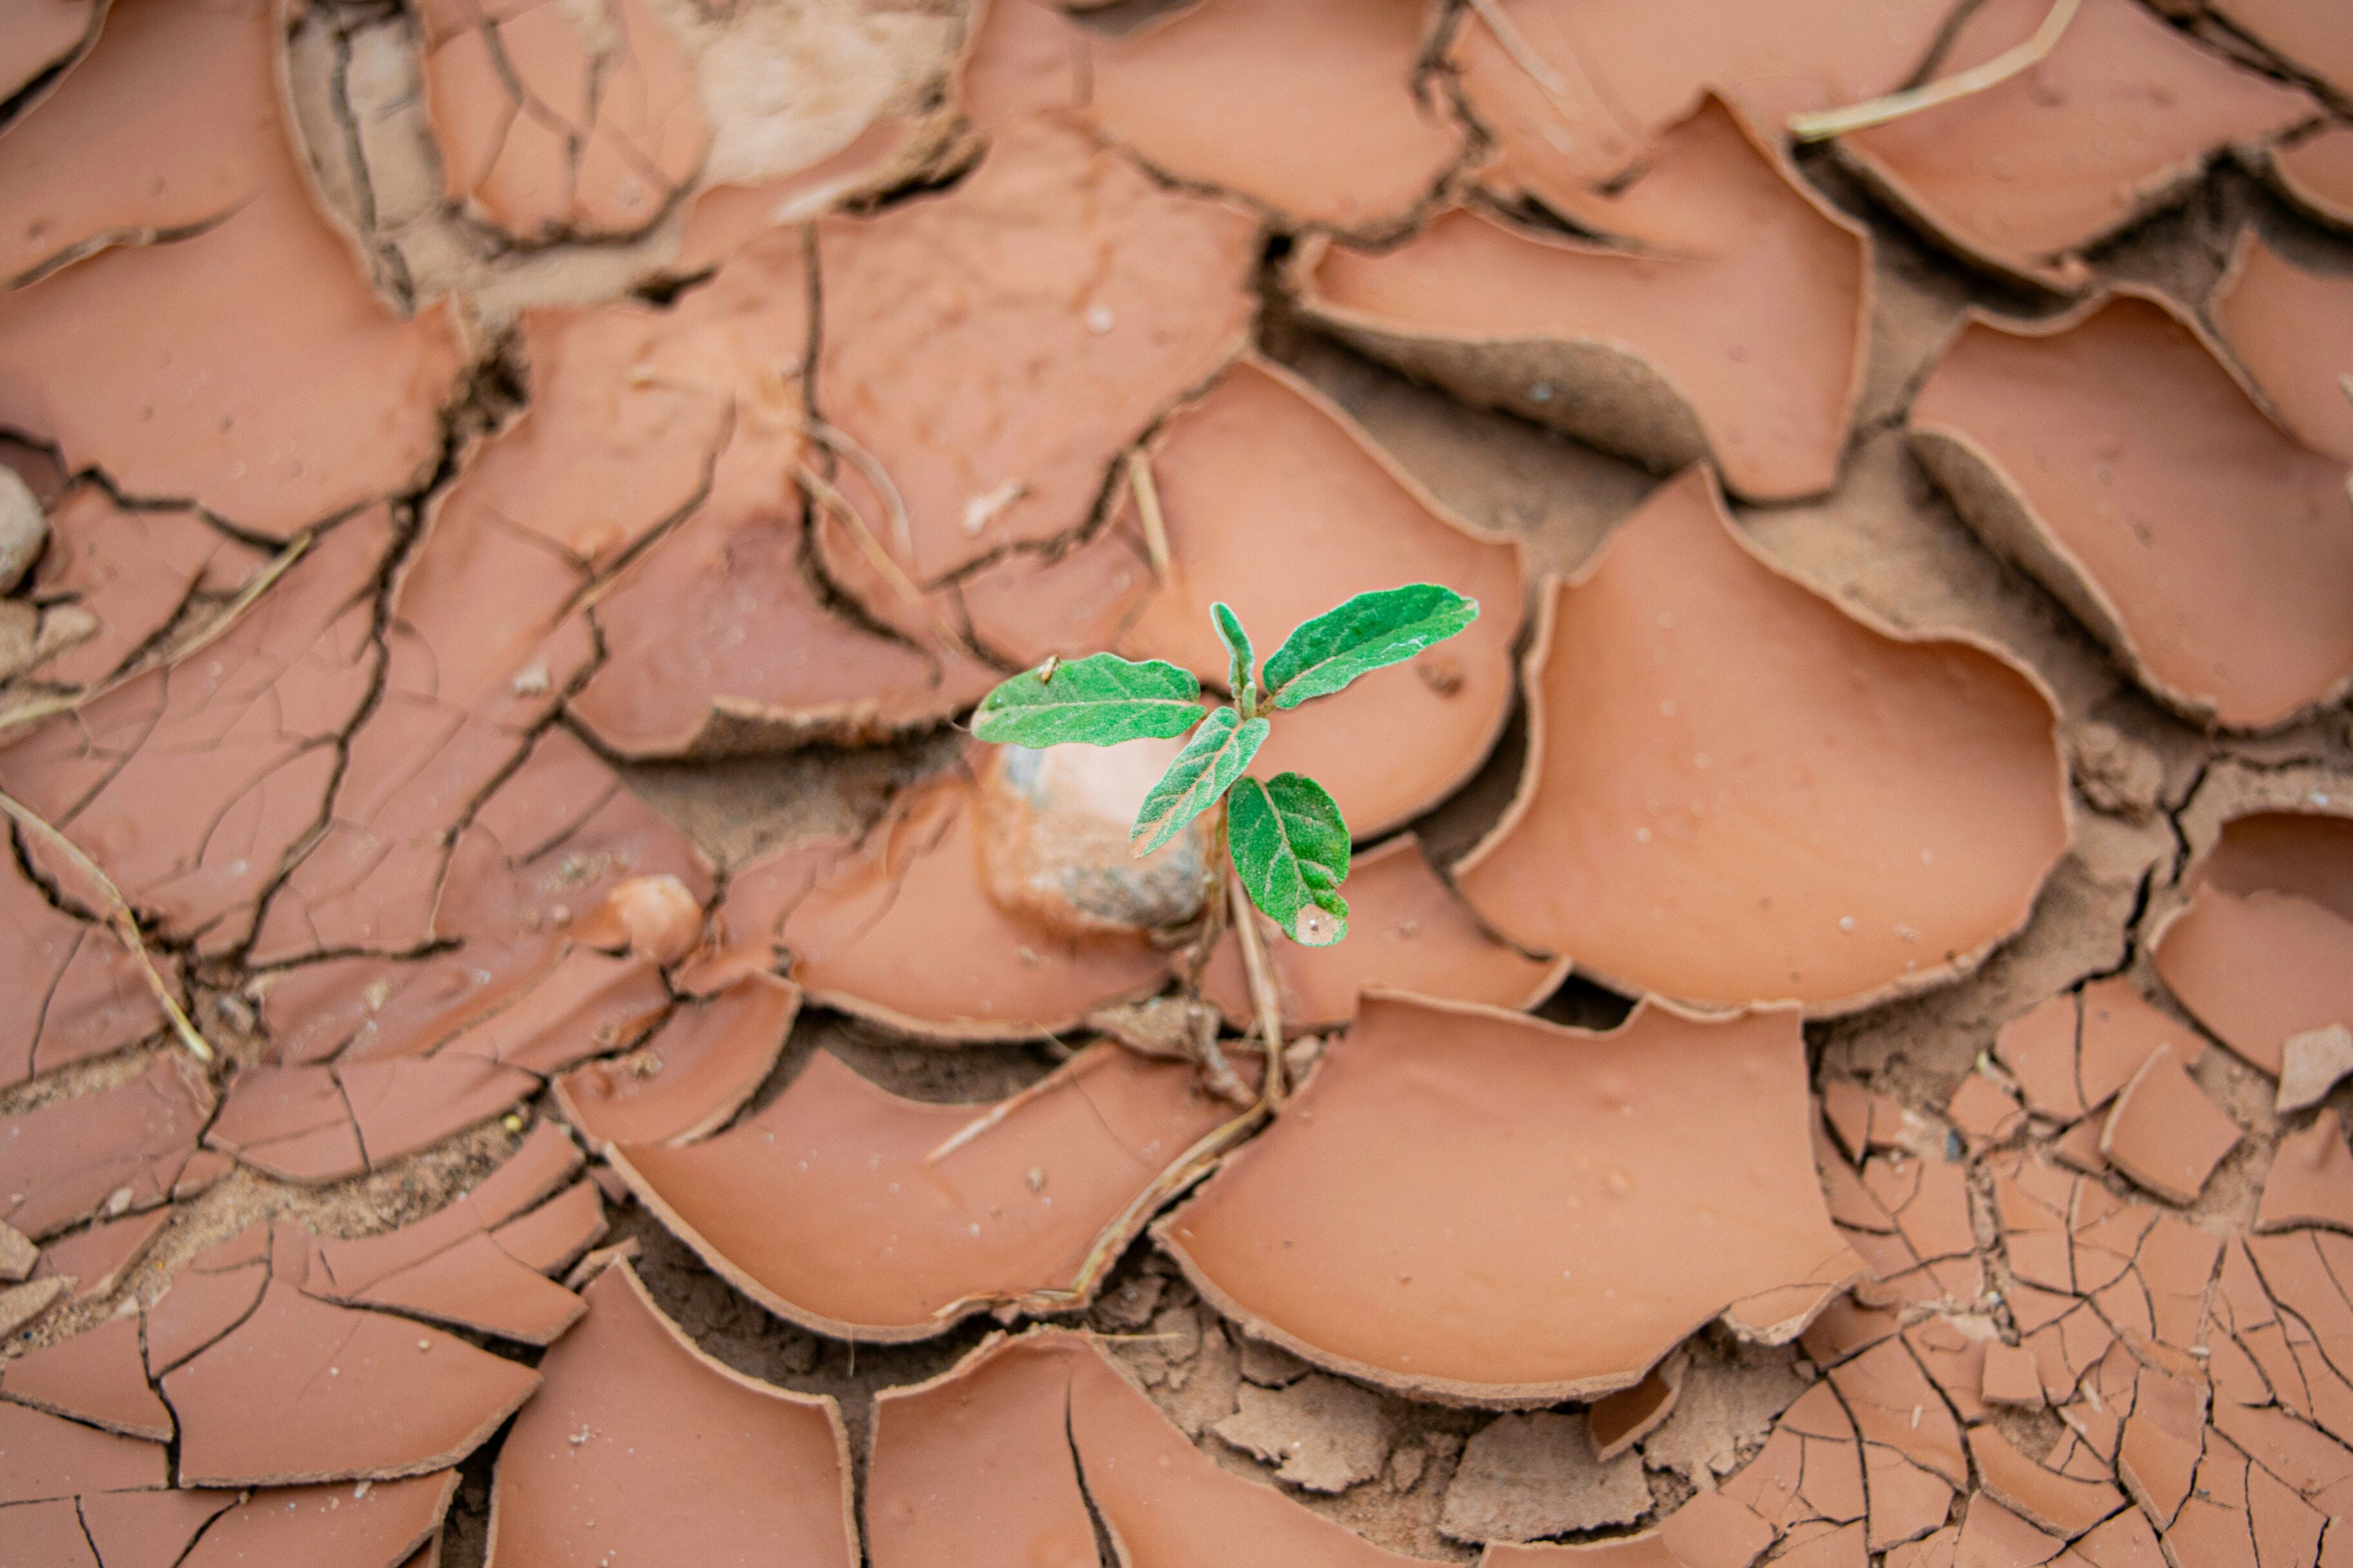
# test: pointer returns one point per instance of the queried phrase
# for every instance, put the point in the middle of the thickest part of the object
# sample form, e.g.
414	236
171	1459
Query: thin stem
831	499
1263	994
125	923
1823	124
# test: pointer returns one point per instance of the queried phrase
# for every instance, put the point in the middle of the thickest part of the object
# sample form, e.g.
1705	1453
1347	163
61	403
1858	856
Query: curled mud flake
1739	334
1277	503
2292	331
2011	1378
1577	94
641	1446
303	1390
2164	1132
994	347
105	1153
1631	1238
2112	456
2259	968
285	394
1308	108
1709	1530
169	126
906	932
1526	1476
565	845
2066	1505
92	995
191	784
692	1077
2311	1179
98	1376
2114	122
1413	934
565	121
1036	1449
837	1170
52	1458
45	37
2317	173
1775	838
2318	41
376	1529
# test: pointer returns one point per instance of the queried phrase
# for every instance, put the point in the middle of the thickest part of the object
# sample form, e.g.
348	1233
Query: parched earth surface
529	1035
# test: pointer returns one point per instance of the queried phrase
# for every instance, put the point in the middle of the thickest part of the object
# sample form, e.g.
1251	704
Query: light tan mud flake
2111	454
1415	1256
1754	835
2114	122
1735	332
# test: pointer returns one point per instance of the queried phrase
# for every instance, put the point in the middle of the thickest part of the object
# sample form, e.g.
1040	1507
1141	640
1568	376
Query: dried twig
1524	55
1003	1109
118	915
902	526
1822	124
831	499
1264	998
1148	511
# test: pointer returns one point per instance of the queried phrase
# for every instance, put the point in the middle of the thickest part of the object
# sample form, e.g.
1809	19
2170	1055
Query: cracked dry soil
530	1034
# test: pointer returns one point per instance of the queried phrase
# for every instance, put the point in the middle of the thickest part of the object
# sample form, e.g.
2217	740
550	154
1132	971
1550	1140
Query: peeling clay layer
2317	40
827	1209
1741	334
286	394
1241	96
2112	456
2118	120
2293	332
2317	173
1483	1209
642	1447
1279	504
1413	934
2263	950
45	37
690	1079
1032	1450
1786	839
1602	80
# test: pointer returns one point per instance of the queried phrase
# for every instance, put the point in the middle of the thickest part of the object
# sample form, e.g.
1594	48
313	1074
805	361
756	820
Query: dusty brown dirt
344	797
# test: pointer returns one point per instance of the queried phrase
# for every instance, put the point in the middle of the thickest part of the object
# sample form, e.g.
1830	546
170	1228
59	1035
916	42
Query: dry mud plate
532	1031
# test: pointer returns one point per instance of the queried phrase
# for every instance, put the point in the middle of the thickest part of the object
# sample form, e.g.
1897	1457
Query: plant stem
1264	998
1826	123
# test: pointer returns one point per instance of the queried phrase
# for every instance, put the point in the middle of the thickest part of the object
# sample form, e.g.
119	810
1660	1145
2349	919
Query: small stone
17	1254
23	530
1524	1478
62	626
2311	1064
1325	1435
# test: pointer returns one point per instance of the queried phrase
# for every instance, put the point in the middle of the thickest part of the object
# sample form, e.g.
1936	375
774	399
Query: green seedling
1288	841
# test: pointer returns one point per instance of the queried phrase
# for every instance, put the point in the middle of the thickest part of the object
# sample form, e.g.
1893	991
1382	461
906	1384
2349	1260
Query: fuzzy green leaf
1362	635
1215	755
1099	700
1240	658
1290	844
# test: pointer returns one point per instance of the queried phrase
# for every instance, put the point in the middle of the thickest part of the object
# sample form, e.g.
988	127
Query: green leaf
1239	656
1211	760
1369	631
1099	700
1290	844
